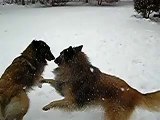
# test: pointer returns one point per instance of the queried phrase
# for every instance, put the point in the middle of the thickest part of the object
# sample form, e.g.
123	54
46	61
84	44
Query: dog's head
43	51
68	54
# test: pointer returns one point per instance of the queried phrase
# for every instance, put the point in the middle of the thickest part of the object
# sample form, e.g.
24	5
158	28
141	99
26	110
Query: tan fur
82	87
23	73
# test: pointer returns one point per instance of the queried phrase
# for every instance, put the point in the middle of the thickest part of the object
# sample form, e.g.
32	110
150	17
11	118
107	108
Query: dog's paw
46	108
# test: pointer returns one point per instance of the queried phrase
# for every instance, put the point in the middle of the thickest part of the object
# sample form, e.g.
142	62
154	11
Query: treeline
58	2
20	2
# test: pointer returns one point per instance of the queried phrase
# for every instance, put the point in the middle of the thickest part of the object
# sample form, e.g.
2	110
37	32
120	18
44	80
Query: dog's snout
57	60
50	56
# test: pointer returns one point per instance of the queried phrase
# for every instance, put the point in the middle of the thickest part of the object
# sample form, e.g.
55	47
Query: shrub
146	7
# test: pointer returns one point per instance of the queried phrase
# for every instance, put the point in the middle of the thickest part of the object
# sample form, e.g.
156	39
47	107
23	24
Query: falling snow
111	37
122	89
103	99
91	69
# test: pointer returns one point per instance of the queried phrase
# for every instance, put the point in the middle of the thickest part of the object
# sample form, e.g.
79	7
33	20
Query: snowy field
114	40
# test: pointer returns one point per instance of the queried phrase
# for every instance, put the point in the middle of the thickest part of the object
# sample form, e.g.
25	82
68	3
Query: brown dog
82	85
24	72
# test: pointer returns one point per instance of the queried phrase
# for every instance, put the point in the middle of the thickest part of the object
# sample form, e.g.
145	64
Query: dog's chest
62	74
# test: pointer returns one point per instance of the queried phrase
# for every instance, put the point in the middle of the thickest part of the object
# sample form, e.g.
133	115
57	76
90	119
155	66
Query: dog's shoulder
22	61
18	67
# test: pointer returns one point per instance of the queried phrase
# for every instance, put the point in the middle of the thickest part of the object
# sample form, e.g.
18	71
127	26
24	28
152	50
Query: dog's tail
151	101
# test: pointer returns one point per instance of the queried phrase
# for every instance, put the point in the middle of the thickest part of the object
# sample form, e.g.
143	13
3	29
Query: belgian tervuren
23	73
82	85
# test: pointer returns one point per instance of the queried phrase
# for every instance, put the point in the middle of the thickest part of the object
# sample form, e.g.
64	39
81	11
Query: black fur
43	52
67	54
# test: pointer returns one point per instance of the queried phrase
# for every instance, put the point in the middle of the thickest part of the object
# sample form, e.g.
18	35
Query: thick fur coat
83	85
23	73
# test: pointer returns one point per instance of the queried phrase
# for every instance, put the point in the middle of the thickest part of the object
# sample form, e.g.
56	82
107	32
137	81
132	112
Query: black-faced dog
23	73
82	85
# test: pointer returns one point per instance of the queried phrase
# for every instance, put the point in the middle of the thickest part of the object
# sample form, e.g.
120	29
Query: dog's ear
35	43
70	49
78	49
38	43
68	53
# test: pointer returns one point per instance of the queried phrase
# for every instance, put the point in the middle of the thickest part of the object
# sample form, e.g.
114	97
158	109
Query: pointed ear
79	48
34	41
70	49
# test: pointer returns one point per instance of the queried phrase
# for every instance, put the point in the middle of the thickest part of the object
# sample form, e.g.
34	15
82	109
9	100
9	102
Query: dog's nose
57	60
52	57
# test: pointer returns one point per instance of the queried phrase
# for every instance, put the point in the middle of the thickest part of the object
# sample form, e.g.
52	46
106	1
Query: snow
114	40
91	69
103	99
122	89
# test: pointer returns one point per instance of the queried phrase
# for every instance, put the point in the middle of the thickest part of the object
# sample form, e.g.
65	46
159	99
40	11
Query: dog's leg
117	112
50	81
64	104
17	107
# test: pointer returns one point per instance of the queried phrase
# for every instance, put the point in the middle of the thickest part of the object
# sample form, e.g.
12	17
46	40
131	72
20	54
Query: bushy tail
151	101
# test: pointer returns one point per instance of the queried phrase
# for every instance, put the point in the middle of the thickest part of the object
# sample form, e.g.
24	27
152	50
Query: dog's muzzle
57	60
50	57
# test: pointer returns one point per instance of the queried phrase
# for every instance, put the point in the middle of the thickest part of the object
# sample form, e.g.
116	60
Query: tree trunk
23	2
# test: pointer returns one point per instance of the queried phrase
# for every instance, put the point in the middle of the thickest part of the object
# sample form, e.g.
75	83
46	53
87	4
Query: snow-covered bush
146	7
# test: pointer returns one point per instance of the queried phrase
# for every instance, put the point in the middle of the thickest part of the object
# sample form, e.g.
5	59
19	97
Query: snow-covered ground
116	42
